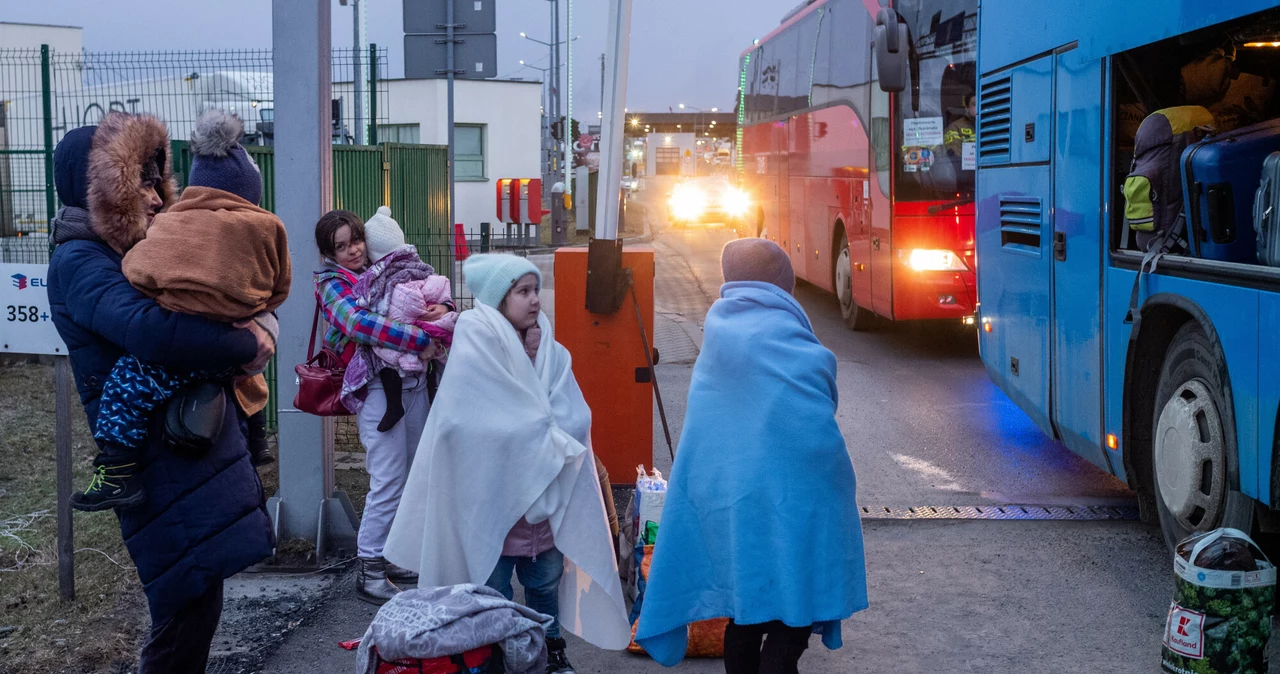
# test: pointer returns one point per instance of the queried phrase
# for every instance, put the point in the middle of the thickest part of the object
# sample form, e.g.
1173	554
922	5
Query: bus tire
1193	444
857	318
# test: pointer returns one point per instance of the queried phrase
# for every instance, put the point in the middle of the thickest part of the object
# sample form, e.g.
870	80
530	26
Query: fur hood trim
123	145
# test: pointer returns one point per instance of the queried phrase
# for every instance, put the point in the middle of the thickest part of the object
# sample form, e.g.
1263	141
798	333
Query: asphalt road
924	427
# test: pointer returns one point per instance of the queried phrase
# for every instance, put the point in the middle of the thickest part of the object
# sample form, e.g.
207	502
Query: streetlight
695	118
547	44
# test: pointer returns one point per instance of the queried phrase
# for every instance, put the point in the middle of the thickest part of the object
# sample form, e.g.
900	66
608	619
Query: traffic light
557	129
573	130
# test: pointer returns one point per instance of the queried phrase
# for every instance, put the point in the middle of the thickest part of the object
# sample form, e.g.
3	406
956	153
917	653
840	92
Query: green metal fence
45	93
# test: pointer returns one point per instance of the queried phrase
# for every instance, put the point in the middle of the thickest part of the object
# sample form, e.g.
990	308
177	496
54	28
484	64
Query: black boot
114	486
395	404
259	453
557	661
401	576
372	584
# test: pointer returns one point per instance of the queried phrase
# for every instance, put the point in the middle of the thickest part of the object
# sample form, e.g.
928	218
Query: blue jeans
540	577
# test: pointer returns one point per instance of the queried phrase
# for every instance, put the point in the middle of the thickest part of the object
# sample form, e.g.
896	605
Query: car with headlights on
707	201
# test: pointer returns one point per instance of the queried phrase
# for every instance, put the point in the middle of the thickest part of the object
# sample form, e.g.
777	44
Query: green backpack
1153	188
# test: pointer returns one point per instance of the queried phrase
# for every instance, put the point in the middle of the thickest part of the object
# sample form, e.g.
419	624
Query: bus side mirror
891	51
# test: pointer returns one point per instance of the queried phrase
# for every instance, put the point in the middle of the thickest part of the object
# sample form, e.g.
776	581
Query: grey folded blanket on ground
444	621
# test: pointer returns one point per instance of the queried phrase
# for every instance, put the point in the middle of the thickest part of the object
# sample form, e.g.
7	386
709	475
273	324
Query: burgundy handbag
320	379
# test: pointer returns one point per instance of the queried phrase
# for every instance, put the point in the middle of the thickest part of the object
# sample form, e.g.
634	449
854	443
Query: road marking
945	481
1002	512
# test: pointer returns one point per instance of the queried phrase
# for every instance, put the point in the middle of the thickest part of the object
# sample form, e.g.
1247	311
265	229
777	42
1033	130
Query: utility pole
602	92
359	49
568	108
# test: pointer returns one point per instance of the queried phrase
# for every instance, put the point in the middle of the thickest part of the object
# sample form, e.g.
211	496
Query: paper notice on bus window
968	157
922	132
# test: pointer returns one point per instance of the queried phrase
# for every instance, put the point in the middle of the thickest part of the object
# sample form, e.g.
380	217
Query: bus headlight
688	203
736	202
924	259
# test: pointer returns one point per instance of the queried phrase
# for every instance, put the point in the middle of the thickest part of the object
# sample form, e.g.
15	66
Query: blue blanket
761	521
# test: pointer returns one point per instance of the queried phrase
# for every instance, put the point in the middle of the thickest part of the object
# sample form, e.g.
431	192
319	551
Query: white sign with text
24	311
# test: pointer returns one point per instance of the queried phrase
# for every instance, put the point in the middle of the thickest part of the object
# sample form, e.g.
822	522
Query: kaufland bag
1220	618
1153	188
1266	212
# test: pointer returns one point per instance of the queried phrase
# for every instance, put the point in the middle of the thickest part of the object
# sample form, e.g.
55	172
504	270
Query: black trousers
180	645
780	653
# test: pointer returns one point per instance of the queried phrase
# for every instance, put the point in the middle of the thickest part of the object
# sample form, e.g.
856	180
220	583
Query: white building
670	154
498	133
31	35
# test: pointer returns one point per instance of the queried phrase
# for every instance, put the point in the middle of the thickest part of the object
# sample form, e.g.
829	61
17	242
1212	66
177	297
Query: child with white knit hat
504	481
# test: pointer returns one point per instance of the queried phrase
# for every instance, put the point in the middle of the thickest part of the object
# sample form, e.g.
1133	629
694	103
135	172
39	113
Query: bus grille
995	121
1021	222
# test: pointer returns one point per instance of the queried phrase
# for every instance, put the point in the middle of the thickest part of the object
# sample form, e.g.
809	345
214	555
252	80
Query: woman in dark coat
205	517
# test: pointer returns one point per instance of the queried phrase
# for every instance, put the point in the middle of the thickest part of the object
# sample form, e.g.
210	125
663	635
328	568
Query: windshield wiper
934	210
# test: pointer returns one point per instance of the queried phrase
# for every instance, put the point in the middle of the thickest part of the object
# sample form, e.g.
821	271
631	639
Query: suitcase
1266	212
1220	179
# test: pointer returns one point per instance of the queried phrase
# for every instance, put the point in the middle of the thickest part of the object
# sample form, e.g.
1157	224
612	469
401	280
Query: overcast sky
682	51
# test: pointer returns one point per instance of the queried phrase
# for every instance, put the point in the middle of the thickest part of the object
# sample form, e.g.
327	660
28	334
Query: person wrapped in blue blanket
761	520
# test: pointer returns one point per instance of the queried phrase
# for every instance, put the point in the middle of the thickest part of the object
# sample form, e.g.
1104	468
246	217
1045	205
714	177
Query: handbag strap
315	325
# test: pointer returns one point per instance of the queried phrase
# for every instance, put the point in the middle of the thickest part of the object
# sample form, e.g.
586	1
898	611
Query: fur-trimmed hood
122	148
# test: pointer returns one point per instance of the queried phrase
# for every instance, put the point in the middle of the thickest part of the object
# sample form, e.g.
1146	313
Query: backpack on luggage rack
1153	209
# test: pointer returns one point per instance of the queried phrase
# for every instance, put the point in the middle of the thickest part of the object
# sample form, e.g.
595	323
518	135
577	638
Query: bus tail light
924	259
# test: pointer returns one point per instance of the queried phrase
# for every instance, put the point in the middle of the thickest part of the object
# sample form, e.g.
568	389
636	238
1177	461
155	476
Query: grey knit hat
758	260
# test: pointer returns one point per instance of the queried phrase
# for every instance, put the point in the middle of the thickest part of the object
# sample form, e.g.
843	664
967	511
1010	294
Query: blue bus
1184	407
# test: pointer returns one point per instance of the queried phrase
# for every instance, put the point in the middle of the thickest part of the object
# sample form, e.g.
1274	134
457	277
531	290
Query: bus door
881	206
797	179
1014	225
781	159
1078	222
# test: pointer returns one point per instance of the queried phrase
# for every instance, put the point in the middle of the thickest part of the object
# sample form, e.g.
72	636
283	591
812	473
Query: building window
468	152
399	133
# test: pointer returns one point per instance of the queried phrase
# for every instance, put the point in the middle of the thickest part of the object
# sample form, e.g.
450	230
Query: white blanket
508	439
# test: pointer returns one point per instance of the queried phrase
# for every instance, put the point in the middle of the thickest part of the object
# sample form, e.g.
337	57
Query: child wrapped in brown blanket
214	253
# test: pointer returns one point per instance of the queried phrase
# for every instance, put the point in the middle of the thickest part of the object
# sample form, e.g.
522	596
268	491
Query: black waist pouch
193	417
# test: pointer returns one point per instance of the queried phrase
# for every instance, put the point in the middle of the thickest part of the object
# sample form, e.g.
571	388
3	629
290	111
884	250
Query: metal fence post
484	237
373	93
62	438
46	91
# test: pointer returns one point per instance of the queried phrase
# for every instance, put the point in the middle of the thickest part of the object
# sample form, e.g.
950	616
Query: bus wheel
857	318
1190	442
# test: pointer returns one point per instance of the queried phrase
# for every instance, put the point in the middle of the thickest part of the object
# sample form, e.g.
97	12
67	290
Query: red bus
870	192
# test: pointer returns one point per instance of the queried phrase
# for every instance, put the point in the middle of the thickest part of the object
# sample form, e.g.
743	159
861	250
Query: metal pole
373	94
568	86
357	75
46	81
449	64
62	437
555	66
301	35
609	187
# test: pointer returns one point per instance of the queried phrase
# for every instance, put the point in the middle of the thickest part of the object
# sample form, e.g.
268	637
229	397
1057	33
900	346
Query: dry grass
107	620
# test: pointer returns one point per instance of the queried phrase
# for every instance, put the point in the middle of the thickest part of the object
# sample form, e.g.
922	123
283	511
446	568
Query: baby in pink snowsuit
409	304
402	287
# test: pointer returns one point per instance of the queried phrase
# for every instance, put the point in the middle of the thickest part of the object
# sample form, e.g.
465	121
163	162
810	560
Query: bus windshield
935	116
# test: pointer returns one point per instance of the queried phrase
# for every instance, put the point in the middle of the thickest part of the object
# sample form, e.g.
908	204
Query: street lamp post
548	143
